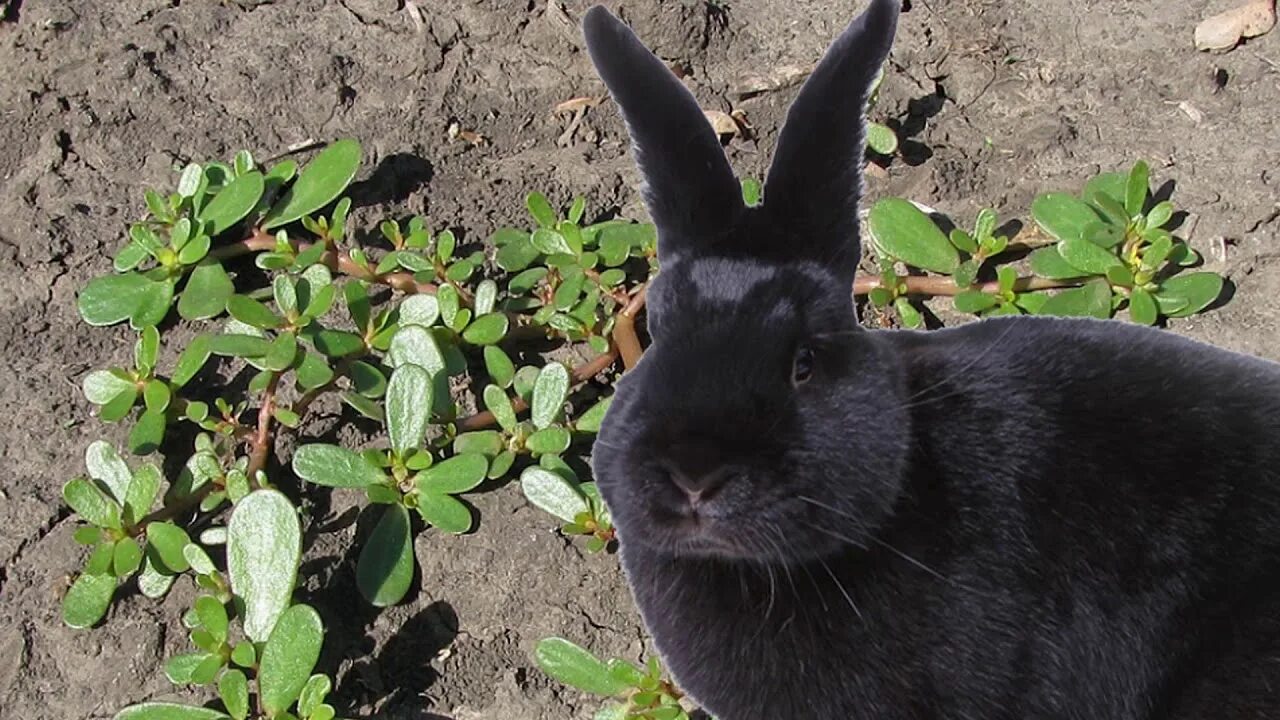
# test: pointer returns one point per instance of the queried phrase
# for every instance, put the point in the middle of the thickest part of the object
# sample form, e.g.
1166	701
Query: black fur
1014	518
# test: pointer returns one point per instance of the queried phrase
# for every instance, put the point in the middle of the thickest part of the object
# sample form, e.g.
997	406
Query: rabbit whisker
842	589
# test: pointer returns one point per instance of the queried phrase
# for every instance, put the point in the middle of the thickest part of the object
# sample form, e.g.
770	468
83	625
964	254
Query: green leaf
540	209
1199	290
384	571
1048	263
576	667
550	242
456	475
264	543
239	345
751	191
207	290
321	181
334	466
367	379
445	512
517	254
1091	300
233	688
415	345
282	353
496	400
1007	276
501	463
364	406
1111	210
166	542
101	559
549	393
1063	216
152	581
148	433
1142	307
590	420
200	561
233	202
251	312
975	301
119	406
358	304
548	441
289	658
485	442
90	503
180	668
338	343
1087	257
911	317
963	241
168	711
881	139
553	493
904	232
1111	184
486	329
408	407
213	616
420	309
87	600
110	299
524	381
1160	215
101	386
156	395
1104	235
313	371
192	360
499	366
1135	198
1120	275
127	557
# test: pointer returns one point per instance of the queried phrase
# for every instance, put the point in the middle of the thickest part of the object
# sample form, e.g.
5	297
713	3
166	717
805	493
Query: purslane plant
418	331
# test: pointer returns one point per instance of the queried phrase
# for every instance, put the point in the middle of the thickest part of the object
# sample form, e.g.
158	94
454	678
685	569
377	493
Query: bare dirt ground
996	101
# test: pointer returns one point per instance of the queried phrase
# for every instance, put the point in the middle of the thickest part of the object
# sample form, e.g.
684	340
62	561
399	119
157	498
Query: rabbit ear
815	181
690	190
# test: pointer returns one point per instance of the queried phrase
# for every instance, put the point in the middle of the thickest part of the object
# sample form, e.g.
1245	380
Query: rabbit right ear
690	190
816	177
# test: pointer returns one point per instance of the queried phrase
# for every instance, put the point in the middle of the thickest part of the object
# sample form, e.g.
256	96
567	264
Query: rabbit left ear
690	191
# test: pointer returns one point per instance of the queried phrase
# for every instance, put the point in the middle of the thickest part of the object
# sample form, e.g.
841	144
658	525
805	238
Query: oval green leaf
1048	263
1142	307
384	571
408	407
486	329
1091	300
1063	216
233	689
334	466
498	403
413	344
445	512
553	493
289	657
455	475
549	393
264	544
576	667
1087	257
233	202
902	231
87	600
168	711
110	299
1199	290
321	181
590	420
548	441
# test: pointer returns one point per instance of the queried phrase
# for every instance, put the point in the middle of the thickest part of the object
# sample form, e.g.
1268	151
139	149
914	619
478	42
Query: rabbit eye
802	368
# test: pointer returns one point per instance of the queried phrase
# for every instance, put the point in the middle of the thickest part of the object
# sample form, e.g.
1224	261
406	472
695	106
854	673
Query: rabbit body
1015	518
1072	540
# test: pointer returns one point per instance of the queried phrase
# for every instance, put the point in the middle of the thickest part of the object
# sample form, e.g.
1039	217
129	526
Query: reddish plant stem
941	285
261	446
337	260
624	329
581	374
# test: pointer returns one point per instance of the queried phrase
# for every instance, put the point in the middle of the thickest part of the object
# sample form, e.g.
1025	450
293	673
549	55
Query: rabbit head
760	400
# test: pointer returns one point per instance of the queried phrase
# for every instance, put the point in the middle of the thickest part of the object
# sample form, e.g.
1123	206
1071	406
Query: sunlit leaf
445	512
549	393
1063	216
105	465
319	183
264	543
1087	257
540	209
147	433
498	403
553	493
110	299
335	466
456	475
87	600
1142	307
499	366
233	688
576	667
1199	290
902	231
486	329
233	202
408	407
415	345
1091	300
289	657
420	309
975	301
100	386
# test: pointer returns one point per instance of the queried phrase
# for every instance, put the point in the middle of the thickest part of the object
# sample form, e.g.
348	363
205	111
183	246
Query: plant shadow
395	178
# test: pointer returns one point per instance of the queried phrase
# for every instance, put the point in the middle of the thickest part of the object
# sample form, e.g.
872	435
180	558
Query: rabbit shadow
395	178
401	672
920	111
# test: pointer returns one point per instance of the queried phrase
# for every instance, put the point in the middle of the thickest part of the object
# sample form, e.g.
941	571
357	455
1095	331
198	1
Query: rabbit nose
698	471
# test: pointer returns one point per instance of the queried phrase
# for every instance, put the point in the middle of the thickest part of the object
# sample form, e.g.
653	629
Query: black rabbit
1014	518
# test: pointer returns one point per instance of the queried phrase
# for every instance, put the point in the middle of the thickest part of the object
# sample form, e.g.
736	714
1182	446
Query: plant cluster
250	280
